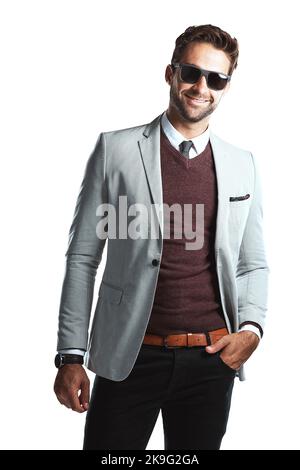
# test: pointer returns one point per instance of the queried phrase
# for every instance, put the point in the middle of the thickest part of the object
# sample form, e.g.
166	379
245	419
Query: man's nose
201	85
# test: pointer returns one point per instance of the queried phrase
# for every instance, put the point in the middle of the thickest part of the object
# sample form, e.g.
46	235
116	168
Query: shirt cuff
253	328
80	352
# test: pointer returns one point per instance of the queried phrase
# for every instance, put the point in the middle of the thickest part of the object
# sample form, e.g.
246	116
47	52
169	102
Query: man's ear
169	74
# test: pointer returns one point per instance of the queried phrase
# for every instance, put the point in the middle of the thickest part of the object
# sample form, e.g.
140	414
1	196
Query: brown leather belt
186	339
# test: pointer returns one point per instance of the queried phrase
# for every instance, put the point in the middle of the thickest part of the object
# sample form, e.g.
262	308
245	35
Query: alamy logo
139	221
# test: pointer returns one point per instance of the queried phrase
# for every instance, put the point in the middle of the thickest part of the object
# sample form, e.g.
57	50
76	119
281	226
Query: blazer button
155	262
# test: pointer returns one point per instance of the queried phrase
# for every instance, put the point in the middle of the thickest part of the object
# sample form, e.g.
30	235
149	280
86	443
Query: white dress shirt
175	137
199	144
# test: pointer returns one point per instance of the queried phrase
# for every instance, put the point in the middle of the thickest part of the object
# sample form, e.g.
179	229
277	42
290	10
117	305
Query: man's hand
236	348
71	379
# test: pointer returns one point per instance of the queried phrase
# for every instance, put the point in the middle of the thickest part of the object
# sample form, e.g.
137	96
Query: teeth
196	99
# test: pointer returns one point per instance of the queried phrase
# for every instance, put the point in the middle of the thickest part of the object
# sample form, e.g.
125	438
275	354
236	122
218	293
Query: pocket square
239	198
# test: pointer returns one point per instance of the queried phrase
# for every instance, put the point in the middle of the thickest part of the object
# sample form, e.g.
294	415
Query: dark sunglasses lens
189	74
216	81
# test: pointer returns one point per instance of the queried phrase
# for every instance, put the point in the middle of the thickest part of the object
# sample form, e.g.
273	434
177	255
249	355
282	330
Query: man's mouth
195	100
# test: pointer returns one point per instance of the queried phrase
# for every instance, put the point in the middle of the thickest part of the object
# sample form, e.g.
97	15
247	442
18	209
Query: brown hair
212	35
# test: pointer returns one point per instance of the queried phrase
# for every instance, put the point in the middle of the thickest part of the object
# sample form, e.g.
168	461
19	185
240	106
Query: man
174	323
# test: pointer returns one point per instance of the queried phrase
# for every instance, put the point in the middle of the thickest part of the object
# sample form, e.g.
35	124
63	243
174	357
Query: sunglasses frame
203	72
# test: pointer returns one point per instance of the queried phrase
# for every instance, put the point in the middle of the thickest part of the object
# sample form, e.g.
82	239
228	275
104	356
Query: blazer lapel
150	153
219	155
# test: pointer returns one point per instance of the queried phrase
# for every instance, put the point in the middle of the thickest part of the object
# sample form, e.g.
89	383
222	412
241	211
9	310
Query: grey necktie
184	147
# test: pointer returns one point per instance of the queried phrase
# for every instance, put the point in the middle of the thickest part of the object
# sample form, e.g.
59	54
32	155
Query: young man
174	323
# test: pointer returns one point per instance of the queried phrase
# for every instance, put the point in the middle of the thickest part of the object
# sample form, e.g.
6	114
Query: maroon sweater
187	297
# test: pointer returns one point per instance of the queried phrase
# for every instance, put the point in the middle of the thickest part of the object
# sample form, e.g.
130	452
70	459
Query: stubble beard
184	112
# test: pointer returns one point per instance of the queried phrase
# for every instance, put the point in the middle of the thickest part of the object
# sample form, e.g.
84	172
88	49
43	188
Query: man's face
192	103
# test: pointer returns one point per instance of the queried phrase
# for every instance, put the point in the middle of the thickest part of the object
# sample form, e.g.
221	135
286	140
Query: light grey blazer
127	162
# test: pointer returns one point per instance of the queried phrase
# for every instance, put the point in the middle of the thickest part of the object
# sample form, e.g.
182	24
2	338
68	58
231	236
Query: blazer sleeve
84	254
252	268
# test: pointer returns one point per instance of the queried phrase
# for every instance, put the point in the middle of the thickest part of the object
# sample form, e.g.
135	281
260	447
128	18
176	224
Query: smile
195	100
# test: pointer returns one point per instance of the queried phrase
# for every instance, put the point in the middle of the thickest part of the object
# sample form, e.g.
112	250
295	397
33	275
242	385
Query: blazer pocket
112	294
239	198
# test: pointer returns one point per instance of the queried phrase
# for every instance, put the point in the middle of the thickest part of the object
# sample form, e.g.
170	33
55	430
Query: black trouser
191	387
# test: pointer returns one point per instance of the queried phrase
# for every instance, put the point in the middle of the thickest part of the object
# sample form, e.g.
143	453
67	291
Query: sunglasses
191	74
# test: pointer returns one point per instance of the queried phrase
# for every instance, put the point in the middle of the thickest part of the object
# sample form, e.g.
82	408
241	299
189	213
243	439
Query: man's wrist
251	328
64	359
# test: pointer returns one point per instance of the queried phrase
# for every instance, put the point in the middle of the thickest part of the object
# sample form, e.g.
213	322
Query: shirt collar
175	137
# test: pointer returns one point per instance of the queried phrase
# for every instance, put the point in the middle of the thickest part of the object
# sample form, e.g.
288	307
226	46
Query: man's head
193	97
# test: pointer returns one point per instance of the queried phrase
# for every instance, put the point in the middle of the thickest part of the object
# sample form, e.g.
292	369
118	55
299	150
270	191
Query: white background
72	69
